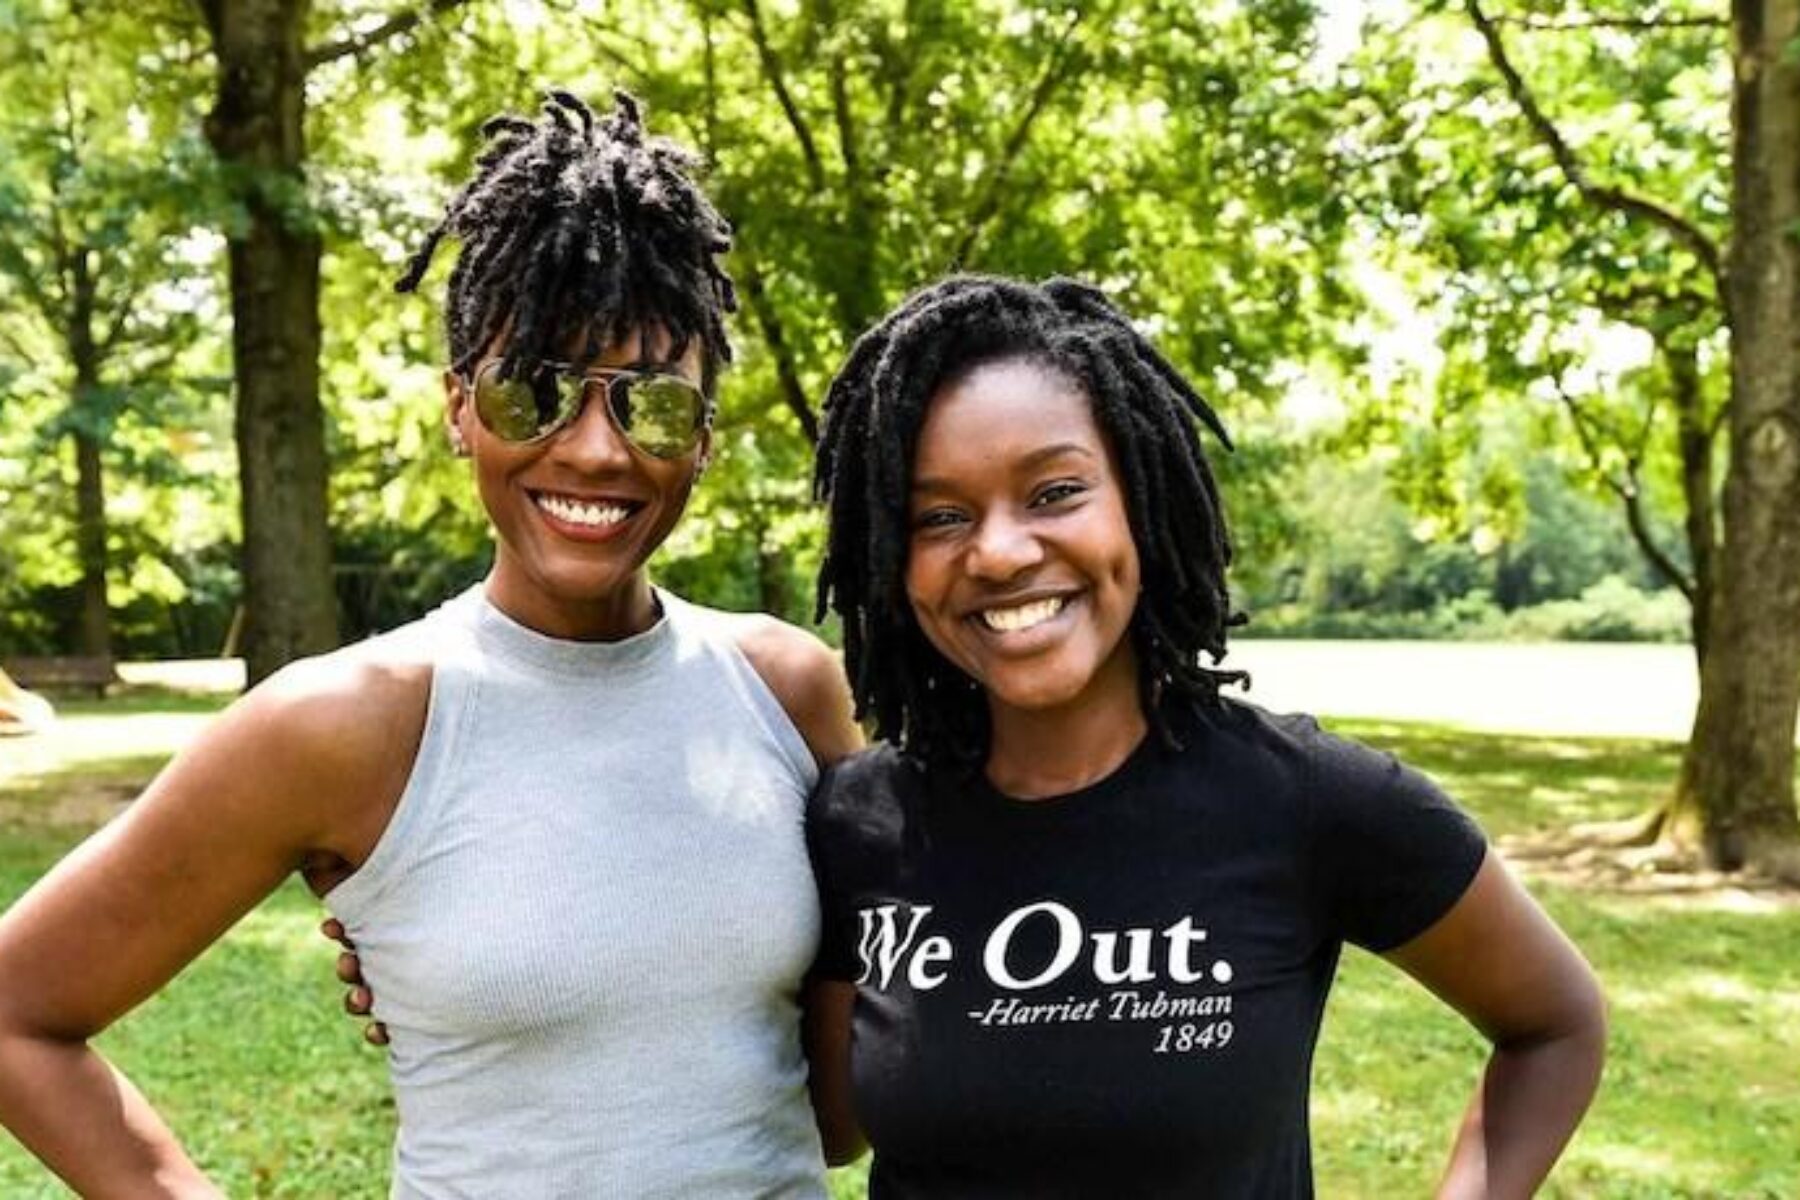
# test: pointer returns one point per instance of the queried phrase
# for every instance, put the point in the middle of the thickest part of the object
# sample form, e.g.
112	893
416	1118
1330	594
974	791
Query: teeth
580	512
1011	620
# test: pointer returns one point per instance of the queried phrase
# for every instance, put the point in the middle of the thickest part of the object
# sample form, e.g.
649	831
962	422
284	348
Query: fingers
359	1001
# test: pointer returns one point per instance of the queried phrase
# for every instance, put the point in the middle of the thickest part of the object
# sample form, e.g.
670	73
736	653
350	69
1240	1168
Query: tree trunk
93	627
257	129
772	592
93	623
1738	773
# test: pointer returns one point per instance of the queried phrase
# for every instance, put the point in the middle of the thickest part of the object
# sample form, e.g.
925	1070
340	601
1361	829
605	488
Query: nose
591	443
1001	548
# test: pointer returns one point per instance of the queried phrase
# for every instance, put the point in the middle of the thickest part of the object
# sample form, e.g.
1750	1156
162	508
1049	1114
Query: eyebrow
1031	461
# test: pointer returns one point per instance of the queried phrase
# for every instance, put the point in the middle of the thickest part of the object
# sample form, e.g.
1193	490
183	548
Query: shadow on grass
1522	784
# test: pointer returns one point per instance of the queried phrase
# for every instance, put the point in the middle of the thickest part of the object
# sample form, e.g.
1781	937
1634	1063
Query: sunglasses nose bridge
593	435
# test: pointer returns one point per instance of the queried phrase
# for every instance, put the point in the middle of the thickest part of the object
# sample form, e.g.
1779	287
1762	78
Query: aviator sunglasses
659	414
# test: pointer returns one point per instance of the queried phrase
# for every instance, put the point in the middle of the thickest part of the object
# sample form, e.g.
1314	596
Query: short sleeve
1394	853
826	837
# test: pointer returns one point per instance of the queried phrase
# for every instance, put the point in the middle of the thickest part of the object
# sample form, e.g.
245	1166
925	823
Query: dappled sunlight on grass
1519	784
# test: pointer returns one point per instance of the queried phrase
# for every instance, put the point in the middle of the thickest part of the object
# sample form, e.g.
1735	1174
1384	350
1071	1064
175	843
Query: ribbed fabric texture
587	921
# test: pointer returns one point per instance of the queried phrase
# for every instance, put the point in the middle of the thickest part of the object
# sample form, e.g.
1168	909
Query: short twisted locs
1146	411
575	224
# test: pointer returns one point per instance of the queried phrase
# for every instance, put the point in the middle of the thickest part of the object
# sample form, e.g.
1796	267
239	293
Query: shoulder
806	677
340	694
1294	746
859	811
858	783
336	732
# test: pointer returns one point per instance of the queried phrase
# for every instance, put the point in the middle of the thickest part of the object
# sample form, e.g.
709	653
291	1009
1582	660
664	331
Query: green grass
270	1087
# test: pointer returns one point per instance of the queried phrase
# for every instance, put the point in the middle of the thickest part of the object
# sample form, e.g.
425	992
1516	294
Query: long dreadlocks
573	223
1147	411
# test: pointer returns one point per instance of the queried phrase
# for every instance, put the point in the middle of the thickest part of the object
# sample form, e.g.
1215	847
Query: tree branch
894	69
1612	199
988	207
1641	24
709	74
772	71
122	312
846	125
18	266
1695	443
775	335
360	43
1628	490
17	347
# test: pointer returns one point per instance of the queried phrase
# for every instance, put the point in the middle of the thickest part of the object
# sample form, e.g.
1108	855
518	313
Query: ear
456	413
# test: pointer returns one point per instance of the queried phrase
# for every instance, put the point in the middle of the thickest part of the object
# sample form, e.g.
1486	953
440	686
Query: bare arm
806	677
257	797
1499	960
825	1030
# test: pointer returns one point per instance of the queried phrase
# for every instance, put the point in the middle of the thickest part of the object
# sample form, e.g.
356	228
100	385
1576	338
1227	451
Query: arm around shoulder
826	1010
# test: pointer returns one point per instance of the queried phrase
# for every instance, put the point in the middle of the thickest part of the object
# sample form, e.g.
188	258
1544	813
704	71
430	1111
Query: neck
1038	753
624	611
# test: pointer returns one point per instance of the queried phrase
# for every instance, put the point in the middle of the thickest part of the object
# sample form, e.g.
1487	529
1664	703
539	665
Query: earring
458	446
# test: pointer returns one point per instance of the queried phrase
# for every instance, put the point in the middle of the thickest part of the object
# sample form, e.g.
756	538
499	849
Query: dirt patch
1666	874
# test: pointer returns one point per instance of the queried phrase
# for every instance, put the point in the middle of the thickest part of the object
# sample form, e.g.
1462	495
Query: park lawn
270	1087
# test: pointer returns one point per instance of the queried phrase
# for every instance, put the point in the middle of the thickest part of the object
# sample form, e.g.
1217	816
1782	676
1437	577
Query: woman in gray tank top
560	816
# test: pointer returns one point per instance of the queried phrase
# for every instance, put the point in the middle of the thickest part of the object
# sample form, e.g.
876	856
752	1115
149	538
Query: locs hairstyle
574	223
1146	410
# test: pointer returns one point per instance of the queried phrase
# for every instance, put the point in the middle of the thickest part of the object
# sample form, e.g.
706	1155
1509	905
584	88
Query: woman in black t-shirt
1082	911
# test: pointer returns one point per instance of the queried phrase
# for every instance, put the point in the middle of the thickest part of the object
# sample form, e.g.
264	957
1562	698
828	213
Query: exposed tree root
1645	829
1646	856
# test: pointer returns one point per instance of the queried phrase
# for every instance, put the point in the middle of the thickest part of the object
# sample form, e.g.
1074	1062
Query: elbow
24	1025
1574	1033
1585	1021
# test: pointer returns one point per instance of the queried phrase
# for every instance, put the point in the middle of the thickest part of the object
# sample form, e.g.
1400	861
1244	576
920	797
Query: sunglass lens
661	416
520	410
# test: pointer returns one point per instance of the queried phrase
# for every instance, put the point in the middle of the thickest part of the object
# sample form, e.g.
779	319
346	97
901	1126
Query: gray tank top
588	918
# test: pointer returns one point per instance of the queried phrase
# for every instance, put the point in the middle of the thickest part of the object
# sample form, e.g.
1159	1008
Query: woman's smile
584	518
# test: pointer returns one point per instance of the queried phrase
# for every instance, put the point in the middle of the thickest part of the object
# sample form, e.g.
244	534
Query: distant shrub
1611	610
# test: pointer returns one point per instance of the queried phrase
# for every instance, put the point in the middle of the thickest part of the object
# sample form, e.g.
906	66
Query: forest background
1498	298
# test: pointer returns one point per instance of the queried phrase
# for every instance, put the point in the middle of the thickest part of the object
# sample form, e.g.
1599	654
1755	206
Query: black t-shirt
1117	992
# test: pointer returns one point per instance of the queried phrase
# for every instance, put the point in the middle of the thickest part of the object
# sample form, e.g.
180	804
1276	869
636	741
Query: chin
1028	695
583	582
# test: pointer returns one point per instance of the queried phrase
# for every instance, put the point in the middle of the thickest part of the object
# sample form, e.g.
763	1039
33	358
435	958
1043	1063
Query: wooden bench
62	673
